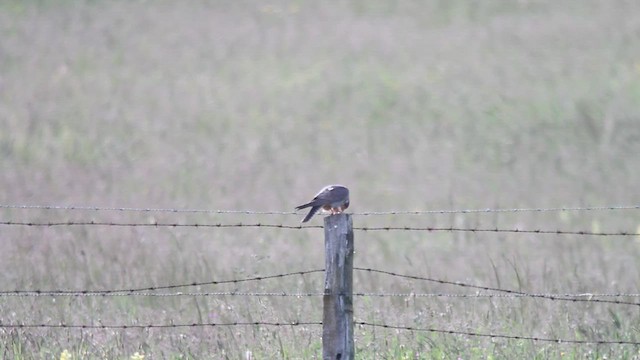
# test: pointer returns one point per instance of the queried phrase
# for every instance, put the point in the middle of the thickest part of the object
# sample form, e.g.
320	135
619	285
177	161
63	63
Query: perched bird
332	198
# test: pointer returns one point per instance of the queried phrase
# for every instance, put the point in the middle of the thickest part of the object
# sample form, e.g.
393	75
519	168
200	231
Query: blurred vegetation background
256	105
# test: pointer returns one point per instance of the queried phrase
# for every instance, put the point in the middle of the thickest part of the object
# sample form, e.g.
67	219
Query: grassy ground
256	105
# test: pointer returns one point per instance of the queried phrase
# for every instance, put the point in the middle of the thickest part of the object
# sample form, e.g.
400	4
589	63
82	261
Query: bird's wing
312	212
332	194
328	195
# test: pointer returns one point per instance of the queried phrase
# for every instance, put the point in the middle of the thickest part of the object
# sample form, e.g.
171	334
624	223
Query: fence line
366	213
504	293
153	224
488	288
506	210
135	209
591	297
500	336
147	291
152	288
299	227
315	323
499	230
152	326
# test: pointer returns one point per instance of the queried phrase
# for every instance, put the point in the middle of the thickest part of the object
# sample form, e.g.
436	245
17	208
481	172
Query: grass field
254	105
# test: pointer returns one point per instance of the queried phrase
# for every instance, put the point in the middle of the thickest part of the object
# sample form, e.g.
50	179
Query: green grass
253	105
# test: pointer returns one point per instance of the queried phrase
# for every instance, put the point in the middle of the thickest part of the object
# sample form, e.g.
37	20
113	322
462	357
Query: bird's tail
312	212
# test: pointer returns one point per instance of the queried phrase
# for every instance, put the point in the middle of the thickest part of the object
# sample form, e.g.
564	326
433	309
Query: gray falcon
332	198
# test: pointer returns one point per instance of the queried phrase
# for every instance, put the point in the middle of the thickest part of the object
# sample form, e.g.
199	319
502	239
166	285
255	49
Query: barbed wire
499	336
150	288
135	209
488	288
366	213
499	230
154	224
152	326
312	323
506	210
299	227
149	294
37	293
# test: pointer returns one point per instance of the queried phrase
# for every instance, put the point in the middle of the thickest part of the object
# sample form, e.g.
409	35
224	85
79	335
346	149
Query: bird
332	198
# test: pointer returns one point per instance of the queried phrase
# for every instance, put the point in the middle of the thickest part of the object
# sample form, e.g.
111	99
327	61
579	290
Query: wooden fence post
337	320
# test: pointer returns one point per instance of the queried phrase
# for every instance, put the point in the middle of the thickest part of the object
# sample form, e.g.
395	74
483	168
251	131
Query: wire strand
151	326
314	323
150	288
142	209
154	224
498	230
38	293
365	213
499	336
487	288
299	227
149	291
491	210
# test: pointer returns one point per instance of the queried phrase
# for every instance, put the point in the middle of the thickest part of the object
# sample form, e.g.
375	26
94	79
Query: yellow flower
137	356
65	355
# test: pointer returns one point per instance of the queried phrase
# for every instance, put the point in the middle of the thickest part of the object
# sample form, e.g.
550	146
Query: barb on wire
512	210
152	224
310	323
366	213
150	288
588	296
298	227
498	230
151	326
488	288
134	209
499	336
39	293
